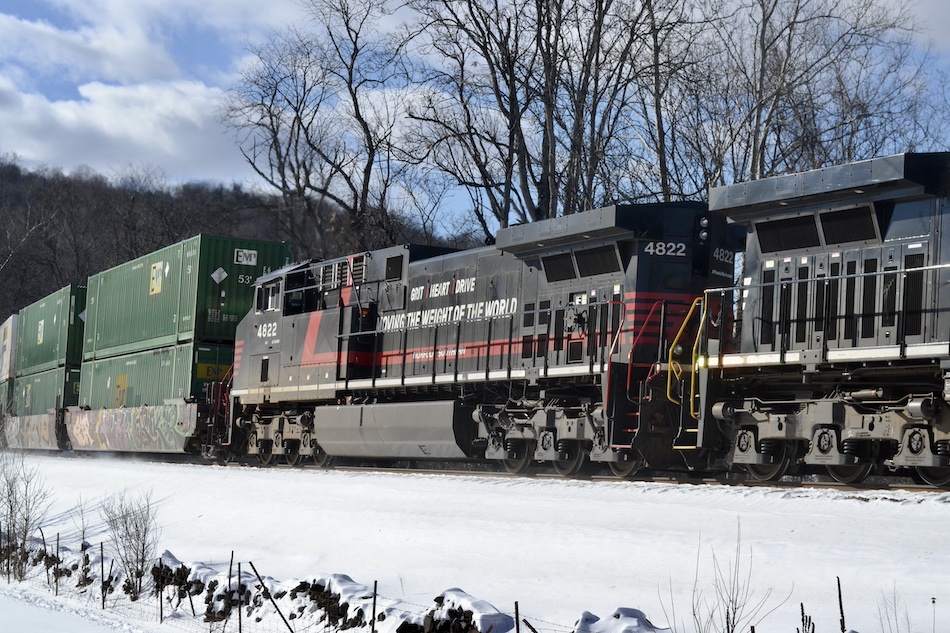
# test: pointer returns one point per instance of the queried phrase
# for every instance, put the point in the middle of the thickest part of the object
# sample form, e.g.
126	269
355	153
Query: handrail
676	368
613	347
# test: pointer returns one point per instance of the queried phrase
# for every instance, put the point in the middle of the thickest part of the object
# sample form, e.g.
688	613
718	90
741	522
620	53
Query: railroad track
736	479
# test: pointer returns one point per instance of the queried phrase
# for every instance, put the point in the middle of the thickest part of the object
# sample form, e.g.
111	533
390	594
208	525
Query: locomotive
795	323
842	324
543	347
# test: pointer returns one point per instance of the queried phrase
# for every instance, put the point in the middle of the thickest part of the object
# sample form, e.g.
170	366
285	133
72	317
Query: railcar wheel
851	473
292	459
935	475
520	464
773	471
575	461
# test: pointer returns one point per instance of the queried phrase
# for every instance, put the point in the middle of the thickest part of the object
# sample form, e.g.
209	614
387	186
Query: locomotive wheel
850	474
320	457
934	475
519	465
625	470
575	462
266	457
292	459
774	471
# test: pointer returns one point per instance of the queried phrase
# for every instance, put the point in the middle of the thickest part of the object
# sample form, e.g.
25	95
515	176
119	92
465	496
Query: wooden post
372	626
159	590
841	604
230	594
270	597
56	569
240	598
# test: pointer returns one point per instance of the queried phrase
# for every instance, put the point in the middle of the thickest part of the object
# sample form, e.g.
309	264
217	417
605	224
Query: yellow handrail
676	368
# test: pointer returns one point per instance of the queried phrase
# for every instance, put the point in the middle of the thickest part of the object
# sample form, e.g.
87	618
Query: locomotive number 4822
267	330
665	249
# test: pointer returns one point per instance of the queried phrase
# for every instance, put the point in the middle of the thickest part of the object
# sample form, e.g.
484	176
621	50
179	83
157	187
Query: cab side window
268	297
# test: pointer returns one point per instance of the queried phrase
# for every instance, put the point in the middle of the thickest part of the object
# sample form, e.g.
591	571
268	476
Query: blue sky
115	84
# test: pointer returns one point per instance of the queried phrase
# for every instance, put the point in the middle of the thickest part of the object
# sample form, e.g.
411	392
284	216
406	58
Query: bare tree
134	533
793	85
25	500
23	218
525	101
317	114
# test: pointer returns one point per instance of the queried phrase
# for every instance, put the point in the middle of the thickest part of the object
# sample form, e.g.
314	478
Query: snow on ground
23	610
566	551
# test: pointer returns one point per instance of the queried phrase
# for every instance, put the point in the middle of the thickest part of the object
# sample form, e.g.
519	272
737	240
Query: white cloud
172	125
108	83
244	17
933	16
106	52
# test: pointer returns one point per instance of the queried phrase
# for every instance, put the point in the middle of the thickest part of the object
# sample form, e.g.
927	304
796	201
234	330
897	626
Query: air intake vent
848	225
788	234
359	270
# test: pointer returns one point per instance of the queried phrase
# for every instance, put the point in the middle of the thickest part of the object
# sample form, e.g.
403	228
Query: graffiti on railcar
159	429
31	432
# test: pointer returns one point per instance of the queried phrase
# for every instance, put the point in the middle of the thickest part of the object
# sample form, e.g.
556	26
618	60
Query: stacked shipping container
7	363
161	327
137	356
49	352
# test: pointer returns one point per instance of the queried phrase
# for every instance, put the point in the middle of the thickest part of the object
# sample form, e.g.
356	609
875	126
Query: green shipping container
50	332
6	398
38	393
8	334
196	290
153	377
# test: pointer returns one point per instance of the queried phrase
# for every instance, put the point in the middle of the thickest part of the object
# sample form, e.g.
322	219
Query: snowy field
559	548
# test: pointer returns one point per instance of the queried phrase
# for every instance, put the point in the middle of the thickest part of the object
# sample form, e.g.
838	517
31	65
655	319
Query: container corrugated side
198	289
8	333
6	398
152	377
53	389
134	302
50	332
225	284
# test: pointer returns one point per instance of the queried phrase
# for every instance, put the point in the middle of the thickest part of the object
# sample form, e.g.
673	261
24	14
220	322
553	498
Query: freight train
799	323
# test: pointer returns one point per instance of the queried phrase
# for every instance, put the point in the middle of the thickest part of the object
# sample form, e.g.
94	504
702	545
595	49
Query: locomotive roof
415	252
900	174
619	220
